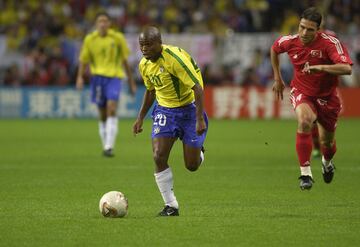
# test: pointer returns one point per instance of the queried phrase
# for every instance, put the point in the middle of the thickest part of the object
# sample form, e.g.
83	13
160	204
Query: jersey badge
316	53
161	69
156	130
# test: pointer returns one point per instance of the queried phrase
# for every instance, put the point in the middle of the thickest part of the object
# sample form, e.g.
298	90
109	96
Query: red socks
329	152
304	148
315	137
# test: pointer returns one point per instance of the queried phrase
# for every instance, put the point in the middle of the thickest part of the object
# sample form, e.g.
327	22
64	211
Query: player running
172	77
318	60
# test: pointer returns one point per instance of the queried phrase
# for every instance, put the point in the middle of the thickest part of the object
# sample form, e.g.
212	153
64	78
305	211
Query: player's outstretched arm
148	100
279	85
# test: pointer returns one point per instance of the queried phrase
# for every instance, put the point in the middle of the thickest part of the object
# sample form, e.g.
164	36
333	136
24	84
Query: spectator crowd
42	37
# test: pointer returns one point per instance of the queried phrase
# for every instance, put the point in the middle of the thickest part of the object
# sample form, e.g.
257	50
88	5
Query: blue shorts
104	89
178	122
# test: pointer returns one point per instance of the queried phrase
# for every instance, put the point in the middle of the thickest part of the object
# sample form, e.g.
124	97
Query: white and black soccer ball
113	204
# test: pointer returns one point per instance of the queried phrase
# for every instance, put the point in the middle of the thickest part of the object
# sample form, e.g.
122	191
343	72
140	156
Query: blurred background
229	39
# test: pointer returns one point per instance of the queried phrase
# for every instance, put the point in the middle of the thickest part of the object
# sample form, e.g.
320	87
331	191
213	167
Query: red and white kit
317	89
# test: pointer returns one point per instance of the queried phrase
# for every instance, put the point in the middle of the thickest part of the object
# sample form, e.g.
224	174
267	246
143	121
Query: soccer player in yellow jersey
171	77
106	51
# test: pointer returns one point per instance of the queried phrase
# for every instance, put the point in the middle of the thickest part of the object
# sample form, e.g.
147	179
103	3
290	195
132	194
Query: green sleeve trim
194	64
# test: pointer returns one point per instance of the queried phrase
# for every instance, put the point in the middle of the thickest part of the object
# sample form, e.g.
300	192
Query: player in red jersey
318	60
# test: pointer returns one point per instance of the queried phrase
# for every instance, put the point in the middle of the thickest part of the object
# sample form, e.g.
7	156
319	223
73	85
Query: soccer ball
113	204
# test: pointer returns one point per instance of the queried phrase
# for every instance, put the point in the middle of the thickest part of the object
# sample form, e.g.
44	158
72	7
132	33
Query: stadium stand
39	40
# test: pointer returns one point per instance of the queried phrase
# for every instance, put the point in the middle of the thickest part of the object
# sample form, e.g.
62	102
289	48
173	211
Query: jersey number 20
160	119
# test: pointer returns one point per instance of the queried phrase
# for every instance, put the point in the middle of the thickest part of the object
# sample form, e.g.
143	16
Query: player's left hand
200	126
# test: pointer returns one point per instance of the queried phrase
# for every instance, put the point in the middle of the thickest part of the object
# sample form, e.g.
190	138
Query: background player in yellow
172	77
106	51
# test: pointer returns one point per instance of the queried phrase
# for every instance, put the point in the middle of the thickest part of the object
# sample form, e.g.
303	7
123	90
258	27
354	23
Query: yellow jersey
172	76
105	54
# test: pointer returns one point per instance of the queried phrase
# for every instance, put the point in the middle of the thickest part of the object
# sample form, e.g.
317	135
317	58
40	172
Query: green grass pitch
246	193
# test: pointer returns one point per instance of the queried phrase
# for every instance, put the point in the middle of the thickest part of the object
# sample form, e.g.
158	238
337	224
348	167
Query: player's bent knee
192	168
192	165
305	124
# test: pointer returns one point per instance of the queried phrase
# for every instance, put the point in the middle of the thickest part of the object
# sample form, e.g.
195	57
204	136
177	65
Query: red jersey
324	49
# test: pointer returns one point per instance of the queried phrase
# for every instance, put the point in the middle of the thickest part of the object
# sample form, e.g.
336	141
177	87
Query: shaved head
150	43
150	33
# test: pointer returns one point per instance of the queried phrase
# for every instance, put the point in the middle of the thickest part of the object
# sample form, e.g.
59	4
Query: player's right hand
137	127
79	83
200	126
278	88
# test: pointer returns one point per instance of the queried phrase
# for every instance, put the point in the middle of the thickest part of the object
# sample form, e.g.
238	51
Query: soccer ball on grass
113	204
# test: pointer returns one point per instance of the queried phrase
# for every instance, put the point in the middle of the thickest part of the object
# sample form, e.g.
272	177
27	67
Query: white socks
328	165
305	171
108	131
202	157
325	162
164	181
102	132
